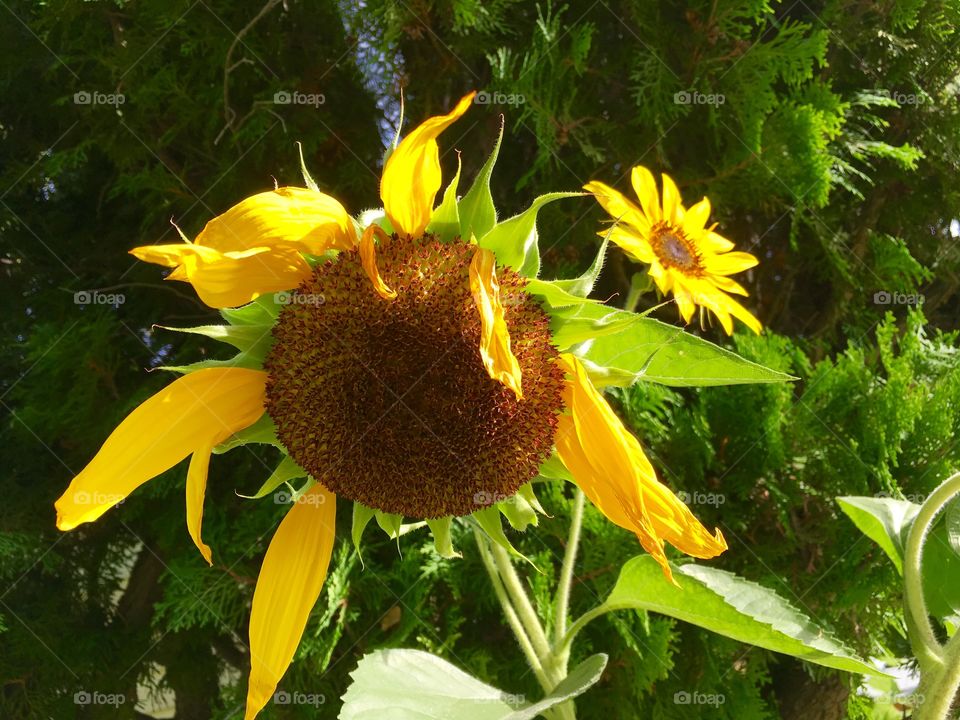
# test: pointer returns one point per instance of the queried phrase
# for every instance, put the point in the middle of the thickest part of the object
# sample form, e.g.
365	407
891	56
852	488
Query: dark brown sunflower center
674	249
387	402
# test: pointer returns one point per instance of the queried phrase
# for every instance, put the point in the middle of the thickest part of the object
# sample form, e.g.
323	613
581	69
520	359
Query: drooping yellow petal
411	176
290	581
498	358
309	221
618	206
368	258
201	408
235	278
609	465
257	246
196	491
646	189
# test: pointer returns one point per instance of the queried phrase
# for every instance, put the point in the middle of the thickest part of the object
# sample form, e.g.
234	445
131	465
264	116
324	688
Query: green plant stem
526	612
566	642
925	644
566	570
939	688
511	614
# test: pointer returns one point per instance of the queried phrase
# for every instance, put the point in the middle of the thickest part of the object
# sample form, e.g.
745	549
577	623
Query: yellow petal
714	242
411	177
618	206
672	208
728	285
498	358
632	242
685	301
235	278
309	221
170	255
729	263
203	407
695	219
646	189
609	465
196	491
368	258
740	312
290	581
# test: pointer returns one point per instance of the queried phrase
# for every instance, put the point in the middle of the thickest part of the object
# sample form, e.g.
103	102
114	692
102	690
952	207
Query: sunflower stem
566	570
528	615
510	613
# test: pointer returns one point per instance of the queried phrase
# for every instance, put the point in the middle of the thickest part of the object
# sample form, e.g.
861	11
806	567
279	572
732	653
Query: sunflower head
686	257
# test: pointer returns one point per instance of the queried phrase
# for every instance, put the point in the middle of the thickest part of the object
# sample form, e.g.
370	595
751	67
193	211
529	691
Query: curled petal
307	220
609	465
196	491
368	258
498	358
411	176
290	581
196	410
618	206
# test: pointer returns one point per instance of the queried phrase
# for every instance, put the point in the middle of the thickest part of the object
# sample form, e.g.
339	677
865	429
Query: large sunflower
686	257
394	367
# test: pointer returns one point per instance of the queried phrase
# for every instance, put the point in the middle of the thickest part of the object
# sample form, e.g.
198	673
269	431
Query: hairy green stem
525	610
925	644
938	689
566	570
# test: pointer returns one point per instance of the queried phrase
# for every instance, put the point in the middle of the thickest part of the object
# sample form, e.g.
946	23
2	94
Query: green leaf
445	220
362	515
307	179
886	521
252	339
518	512
390	523
514	241
417	685
626	347
556	297
262	311
583	285
731	606
477	211
262	432
442	537
527	493
286	471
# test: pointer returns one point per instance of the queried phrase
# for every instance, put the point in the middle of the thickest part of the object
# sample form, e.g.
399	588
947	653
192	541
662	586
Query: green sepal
390	523
286	471
553	469
514	241
445	221
489	521
443	538
240	360
518	512
362	515
583	285
478	214
255	340
262	311
307	179
553	295
529	494
262	432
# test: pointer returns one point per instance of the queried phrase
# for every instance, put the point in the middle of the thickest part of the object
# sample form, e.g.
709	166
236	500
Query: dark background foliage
832	156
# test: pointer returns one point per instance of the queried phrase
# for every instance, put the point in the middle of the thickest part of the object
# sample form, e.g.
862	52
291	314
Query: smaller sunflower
686	256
